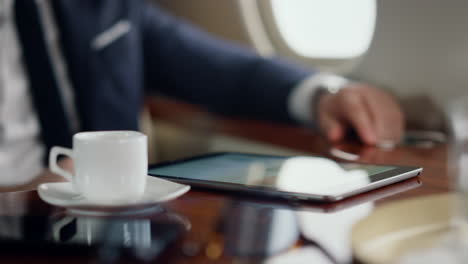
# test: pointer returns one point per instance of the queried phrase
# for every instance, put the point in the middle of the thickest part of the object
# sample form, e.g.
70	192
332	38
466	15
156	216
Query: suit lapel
89	32
55	129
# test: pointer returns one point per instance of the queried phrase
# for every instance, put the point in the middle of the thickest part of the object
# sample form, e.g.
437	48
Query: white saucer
157	191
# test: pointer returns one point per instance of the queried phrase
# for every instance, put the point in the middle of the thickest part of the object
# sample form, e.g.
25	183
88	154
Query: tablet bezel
397	174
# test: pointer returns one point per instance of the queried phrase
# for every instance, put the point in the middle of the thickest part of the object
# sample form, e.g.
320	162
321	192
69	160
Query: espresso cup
110	166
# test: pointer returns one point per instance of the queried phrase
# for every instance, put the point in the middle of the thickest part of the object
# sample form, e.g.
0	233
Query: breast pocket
118	53
111	35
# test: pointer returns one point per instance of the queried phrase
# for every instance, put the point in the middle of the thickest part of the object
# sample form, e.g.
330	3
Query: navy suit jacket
158	54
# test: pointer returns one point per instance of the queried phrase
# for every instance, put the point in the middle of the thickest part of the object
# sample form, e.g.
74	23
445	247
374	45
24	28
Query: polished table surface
231	228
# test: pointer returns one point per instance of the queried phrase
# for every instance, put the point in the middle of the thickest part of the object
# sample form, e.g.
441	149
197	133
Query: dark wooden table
229	228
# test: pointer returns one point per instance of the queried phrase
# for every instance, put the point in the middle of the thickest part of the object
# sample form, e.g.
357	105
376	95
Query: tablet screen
300	174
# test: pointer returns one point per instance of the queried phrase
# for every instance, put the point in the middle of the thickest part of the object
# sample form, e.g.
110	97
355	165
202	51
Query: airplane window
326	29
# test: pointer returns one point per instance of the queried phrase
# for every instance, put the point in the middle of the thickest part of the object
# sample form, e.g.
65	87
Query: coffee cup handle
54	167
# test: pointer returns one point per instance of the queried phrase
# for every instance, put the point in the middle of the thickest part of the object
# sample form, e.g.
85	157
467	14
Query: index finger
387	118
358	115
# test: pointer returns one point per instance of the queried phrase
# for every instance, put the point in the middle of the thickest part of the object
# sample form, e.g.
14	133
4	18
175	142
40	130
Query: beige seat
222	18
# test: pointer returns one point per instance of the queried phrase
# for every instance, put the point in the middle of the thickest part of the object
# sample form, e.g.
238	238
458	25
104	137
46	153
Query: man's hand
373	114
47	175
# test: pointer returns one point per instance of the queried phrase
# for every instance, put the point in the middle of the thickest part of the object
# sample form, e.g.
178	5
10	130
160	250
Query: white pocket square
110	35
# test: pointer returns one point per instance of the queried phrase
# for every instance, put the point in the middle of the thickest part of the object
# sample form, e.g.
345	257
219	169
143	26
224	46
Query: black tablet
291	177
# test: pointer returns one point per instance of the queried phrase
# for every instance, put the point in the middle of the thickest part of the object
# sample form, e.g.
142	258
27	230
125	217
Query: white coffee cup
110	166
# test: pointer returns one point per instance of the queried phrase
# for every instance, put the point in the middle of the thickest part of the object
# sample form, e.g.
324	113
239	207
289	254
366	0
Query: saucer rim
82	204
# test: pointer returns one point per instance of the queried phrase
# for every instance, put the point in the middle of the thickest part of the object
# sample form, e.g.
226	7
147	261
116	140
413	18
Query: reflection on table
218	227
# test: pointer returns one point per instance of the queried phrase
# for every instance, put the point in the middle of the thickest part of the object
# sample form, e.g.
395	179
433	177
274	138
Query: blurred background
417	49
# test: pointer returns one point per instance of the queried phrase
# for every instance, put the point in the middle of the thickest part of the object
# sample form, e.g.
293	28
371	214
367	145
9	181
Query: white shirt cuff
301	99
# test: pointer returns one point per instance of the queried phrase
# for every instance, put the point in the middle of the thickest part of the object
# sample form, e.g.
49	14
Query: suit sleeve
184	62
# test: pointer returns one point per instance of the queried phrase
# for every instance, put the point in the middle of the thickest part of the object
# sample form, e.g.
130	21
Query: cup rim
97	136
